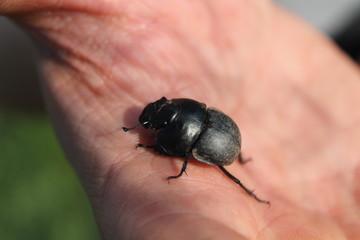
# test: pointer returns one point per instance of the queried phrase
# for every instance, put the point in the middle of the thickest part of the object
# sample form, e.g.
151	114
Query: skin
293	94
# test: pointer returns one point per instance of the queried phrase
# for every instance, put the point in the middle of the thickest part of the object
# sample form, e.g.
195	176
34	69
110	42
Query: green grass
40	196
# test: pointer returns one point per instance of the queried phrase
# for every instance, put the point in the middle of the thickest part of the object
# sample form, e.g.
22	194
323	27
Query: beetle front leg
183	169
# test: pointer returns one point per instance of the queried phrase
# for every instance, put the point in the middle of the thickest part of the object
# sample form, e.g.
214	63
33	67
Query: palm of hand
245	59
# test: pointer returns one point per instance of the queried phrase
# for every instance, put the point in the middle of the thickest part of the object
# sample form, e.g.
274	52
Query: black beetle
188	127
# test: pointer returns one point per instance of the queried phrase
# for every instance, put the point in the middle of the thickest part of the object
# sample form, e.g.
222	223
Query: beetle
188	128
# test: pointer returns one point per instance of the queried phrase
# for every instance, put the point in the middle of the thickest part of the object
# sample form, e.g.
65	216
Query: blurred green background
40	196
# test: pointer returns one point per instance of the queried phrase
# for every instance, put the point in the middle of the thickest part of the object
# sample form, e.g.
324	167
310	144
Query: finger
11	7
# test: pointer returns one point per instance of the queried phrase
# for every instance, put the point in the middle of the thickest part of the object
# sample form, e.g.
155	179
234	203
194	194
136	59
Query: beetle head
157	114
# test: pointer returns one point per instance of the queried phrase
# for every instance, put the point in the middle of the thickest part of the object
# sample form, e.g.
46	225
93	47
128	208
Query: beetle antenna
136	126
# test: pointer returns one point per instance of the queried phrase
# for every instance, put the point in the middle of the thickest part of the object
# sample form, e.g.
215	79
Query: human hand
292	93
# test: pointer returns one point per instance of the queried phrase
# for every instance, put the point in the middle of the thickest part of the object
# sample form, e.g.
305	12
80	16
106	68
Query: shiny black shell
189	127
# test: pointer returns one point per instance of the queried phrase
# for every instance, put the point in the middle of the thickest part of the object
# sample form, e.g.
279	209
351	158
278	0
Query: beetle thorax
158	114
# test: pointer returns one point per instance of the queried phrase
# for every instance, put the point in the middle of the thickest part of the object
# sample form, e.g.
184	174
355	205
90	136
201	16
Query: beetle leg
251	193
156	149
183	169
243	160
144	146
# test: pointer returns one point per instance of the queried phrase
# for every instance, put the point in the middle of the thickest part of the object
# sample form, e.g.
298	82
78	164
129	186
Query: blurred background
40	197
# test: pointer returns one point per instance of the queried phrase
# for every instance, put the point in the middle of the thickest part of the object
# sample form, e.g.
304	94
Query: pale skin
294	95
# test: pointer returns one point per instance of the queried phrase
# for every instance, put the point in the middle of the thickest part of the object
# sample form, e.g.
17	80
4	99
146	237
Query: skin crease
293	94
